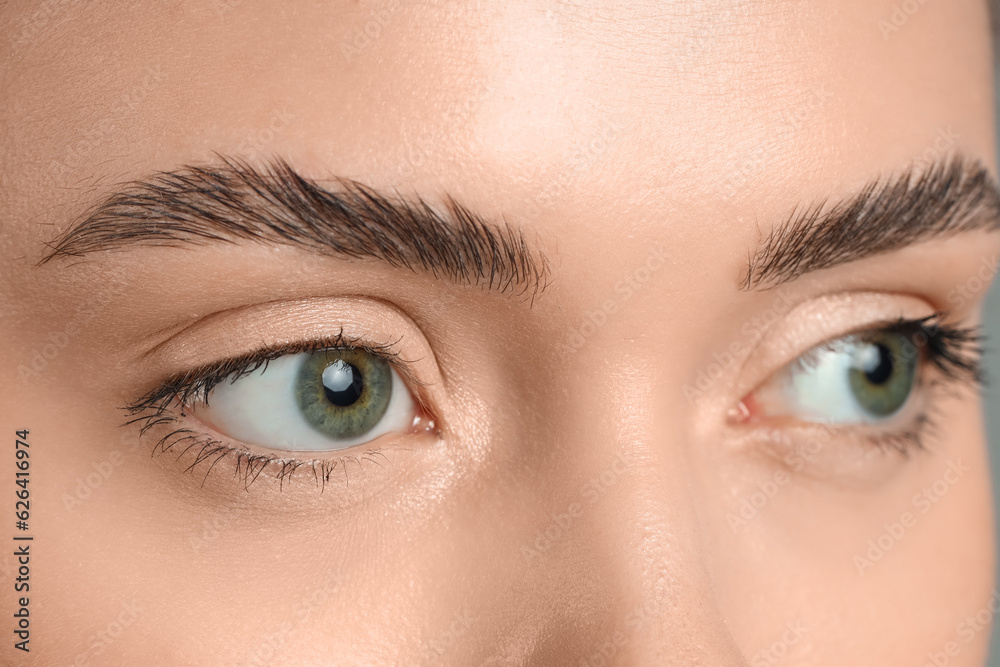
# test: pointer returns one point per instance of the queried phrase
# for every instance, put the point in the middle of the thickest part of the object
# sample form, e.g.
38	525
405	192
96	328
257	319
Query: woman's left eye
864	378
312	401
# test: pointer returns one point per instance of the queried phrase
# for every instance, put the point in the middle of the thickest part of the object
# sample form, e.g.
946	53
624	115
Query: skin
611	135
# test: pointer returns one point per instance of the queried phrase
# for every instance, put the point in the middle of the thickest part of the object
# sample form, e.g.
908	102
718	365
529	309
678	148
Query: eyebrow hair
235	201
950	197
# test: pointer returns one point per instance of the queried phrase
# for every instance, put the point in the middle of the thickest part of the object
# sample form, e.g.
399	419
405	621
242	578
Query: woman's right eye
325	400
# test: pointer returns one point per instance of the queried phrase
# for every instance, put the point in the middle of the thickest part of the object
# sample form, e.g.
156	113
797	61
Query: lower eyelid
848	454
206	455
851	453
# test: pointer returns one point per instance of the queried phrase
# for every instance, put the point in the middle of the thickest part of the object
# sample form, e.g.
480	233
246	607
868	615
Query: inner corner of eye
745	410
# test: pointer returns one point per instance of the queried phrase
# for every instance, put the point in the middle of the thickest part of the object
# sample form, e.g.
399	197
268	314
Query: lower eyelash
915	437
247	465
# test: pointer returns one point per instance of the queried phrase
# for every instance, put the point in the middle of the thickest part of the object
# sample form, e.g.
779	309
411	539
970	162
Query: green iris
343	393
882	373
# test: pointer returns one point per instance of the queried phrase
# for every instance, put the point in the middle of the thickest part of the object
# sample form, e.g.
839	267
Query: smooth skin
574	507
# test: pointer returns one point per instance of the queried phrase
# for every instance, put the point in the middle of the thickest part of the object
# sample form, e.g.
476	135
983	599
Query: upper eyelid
283	324
807	324
227	341
898	325
188	385
958	356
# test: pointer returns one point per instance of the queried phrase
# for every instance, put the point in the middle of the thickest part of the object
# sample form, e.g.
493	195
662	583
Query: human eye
880	379
286	404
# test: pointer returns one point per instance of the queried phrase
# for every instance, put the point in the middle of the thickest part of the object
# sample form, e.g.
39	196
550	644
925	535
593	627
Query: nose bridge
640	521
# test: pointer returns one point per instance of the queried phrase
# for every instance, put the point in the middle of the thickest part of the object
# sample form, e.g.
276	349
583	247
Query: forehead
632	107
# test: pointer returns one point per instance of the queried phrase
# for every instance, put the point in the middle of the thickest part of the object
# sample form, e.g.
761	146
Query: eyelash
160	407
954	351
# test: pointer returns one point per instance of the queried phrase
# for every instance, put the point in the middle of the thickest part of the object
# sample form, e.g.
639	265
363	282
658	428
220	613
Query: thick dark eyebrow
950	197
235	201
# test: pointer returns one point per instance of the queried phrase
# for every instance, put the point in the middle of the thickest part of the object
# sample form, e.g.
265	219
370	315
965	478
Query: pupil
342	383
878	366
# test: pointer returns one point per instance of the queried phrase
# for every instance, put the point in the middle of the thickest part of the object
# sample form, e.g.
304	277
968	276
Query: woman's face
635	350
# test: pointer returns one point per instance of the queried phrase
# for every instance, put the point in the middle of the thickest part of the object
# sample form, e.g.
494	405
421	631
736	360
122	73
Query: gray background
992	325
992	409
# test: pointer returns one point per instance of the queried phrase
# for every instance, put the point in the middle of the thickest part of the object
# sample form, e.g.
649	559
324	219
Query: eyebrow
950	197
235	201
